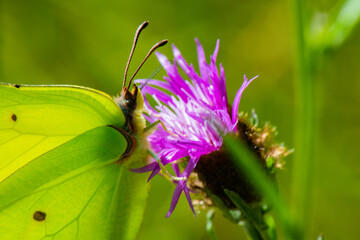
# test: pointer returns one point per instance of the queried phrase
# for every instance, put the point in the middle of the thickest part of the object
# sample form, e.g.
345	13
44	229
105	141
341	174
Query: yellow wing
36	119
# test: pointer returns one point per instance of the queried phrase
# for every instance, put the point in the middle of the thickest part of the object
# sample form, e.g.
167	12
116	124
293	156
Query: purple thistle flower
196	117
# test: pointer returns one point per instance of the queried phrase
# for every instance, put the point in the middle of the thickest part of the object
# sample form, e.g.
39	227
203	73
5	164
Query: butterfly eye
39	216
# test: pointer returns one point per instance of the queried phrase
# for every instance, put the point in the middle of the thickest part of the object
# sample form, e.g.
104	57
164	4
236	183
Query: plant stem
304	122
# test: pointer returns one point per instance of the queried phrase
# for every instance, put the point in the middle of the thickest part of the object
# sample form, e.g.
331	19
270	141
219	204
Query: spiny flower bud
217	171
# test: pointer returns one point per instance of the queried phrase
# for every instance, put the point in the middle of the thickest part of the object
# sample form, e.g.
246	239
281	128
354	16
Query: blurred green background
87	43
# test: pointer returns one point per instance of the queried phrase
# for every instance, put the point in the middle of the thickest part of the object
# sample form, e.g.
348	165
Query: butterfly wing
36	119
61	180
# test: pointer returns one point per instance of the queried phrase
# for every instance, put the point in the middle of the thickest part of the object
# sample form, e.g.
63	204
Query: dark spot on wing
39	216
14	117
17	85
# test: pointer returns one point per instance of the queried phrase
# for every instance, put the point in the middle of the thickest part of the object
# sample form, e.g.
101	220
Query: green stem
252	231
209	224
304	123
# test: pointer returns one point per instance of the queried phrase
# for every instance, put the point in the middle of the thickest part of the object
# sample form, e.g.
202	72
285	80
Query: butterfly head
131	103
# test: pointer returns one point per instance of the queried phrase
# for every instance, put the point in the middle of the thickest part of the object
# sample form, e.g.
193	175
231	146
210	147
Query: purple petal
190	166
222	85
179	188
176	169
214	56
178	89
176	82
182	184
201	60
188	69
153	173
238	97
160	95
169	68
179	154
186	191
146	168
154	167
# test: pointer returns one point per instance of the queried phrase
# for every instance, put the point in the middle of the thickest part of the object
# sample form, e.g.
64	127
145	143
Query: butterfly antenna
137	34
156	46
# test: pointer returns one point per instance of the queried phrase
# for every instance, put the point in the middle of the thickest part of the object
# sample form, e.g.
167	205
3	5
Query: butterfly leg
152	127
164	172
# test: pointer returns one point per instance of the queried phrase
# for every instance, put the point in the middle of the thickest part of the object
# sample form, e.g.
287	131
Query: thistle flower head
194	117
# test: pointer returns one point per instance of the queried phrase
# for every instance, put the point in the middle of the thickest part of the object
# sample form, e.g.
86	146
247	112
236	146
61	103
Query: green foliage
336	28
309	51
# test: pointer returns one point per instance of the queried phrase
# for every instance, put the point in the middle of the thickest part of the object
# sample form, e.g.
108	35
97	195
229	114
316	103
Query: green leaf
255	225
248	162
233	215
346	20
270	222
245	209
